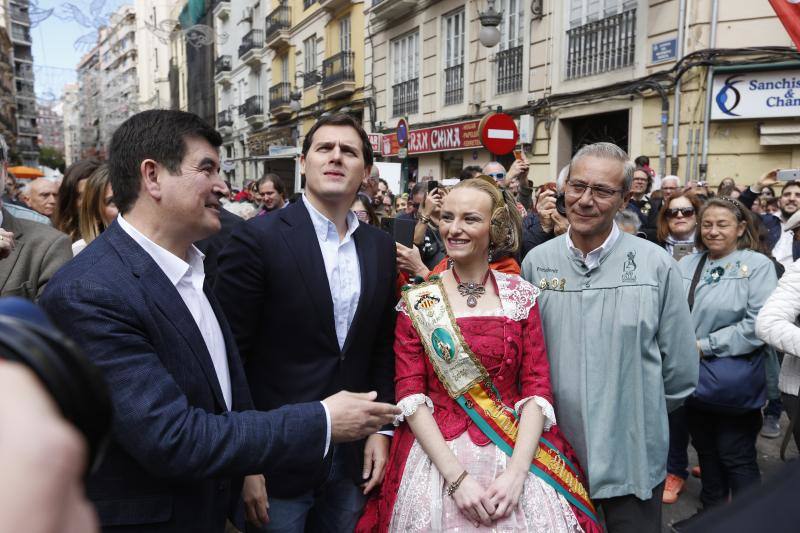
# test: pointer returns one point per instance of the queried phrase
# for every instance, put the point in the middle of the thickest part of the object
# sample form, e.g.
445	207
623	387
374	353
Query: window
344	34
310	74
601	36
454	58
285	68
405	75
509	58
308	3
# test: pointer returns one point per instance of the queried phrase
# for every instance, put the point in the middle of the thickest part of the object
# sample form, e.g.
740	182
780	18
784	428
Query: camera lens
561	206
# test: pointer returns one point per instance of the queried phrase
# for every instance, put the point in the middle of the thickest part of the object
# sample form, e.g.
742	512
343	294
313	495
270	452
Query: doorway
604	127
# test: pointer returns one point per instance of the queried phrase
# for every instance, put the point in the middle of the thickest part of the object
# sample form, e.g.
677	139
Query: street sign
664	51
402	132
402	153
498	133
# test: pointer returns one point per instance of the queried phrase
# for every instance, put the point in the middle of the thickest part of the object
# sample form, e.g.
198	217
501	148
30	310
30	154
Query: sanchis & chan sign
764	94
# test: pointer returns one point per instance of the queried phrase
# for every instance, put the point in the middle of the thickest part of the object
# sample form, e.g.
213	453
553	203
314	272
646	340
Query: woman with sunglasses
727	284
677	222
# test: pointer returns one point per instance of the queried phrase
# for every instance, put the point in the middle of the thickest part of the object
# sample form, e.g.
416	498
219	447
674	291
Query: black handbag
731	383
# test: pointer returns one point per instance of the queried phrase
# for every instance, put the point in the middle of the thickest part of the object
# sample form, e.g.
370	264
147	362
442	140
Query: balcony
311	78
601	46
250	49
276	27
222	9
338	75
333	5
20	14
253	110
454	85
280	100
384	11
20	35
405	98
23	71
222	70
509	70
225	122
28	148
28	129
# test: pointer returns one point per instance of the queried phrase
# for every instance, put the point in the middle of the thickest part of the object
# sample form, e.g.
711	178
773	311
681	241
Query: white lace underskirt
423	505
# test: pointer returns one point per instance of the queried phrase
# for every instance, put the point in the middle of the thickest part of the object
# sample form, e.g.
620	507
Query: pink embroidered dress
510	345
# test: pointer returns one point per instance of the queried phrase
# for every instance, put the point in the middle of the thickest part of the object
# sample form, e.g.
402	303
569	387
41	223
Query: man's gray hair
626	217
676	179
606	150
3	150
562	177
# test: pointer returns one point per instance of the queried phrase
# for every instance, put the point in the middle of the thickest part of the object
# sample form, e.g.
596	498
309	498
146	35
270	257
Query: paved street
768	460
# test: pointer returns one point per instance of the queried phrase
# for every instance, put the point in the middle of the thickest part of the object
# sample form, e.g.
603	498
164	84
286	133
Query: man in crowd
788	203
41	195
641	203
620	341
669	186
30	253
310	295
271	193
184	432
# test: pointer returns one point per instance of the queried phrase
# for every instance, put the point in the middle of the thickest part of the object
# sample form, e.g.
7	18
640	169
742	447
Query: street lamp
490	19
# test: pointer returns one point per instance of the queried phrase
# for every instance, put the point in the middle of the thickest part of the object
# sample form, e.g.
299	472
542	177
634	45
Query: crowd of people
539	357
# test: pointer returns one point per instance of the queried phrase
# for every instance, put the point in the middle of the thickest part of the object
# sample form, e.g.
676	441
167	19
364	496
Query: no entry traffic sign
498	133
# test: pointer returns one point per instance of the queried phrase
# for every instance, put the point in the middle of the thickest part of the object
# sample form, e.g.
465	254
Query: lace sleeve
547	410
409	406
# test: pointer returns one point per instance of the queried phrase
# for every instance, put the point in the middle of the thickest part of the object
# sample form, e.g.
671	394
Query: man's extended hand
376	456
7	243
355	416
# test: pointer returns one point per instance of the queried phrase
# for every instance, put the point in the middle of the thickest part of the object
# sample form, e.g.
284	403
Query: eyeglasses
576	189
673	212
363	216
497	176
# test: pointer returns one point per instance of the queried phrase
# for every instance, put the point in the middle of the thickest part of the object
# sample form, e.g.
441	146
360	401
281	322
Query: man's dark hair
790	183
276	182
470	172
642	161
341	119
157	134
421	187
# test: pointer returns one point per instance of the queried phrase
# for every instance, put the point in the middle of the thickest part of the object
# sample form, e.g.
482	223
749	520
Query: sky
55	54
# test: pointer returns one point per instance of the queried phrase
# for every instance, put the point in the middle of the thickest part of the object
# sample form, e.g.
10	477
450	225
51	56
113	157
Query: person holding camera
619	336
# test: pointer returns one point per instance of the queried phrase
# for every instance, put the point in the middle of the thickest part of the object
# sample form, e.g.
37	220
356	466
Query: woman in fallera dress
477	445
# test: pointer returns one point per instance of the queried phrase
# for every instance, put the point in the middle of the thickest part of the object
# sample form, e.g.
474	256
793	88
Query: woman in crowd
777	326
448	469
97	210
70	195
726	187
727	284
400	203
364	211
677	222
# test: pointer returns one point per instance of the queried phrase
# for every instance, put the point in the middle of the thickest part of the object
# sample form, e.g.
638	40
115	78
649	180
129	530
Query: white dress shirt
188	281
592	259
341	267
782	251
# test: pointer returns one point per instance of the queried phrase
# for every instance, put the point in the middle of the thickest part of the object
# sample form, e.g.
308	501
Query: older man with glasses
620	340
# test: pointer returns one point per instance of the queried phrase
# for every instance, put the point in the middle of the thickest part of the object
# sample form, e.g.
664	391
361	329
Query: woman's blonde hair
90	222
506	230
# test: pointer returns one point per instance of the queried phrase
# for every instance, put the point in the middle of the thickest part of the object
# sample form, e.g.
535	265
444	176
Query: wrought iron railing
225	119
279	19
252	106
251	40
509	70
338	68
311	78
20	33
280	95
223	64
601	46
20	14
405	98
454	84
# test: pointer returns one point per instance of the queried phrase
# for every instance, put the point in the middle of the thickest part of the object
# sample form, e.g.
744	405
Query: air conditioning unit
247	14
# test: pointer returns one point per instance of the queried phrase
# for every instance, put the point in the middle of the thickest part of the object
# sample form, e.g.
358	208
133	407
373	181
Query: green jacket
622	354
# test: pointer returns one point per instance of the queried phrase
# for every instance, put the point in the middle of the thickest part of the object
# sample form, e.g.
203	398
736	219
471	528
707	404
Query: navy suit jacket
274	289
177	454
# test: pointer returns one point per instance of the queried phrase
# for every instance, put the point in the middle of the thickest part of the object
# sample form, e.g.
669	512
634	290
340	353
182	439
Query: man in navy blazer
310	293
184	432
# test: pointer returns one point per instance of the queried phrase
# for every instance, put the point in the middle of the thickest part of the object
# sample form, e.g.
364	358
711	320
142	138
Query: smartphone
433	184
387	225
403	231
681	250
791	174
518	155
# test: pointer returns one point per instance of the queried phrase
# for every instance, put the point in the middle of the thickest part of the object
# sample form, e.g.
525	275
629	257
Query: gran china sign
764	94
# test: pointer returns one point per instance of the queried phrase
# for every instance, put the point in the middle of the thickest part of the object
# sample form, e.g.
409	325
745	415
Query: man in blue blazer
310	293
184	433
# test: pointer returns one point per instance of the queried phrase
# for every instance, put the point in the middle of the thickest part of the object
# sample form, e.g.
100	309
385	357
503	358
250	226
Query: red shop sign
459	136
